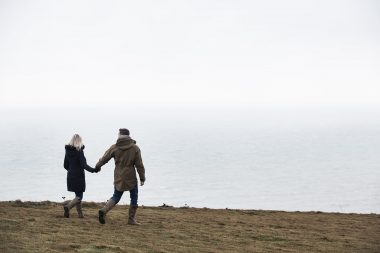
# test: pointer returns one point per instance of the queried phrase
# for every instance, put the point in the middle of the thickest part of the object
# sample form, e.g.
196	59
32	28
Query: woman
75	164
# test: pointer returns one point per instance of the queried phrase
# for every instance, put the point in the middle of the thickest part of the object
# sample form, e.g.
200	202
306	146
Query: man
127	158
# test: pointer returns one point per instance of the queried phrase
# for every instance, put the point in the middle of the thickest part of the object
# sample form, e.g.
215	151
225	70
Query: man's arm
106	157
140	166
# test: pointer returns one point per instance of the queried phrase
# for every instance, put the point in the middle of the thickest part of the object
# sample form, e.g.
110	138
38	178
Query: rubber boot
132	215
79	209
102	212
67	207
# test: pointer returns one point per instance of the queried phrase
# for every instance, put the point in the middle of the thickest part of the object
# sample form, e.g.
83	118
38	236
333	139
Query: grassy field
40	227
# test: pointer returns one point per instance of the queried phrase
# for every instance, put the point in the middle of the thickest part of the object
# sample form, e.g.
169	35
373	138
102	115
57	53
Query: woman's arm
83	163
66	163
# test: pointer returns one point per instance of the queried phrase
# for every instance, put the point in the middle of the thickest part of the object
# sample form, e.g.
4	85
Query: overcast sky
216	53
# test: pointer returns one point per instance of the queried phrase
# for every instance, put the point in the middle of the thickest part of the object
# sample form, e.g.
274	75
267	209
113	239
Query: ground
41	227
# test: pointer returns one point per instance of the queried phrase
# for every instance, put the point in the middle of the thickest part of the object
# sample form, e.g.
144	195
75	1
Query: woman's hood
72	151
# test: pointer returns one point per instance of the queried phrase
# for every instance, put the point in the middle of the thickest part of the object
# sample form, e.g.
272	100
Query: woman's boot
132	215
67	207
79	209
102	212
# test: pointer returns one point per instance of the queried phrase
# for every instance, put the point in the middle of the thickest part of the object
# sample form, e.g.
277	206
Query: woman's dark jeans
79	195
134	194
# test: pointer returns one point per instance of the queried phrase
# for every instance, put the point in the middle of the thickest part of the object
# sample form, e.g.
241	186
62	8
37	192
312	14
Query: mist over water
321	159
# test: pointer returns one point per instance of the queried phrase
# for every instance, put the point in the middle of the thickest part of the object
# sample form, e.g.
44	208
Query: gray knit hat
123	131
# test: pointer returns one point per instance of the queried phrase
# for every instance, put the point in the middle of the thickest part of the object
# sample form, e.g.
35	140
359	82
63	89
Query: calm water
284	159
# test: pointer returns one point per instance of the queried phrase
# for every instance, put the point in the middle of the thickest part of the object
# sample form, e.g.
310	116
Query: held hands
97	169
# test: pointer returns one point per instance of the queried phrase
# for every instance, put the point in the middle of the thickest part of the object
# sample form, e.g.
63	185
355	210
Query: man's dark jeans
134	193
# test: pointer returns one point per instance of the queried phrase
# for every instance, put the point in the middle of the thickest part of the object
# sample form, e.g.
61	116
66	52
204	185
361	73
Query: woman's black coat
75	164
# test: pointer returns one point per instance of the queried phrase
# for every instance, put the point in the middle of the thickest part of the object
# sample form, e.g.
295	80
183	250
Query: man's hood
125	143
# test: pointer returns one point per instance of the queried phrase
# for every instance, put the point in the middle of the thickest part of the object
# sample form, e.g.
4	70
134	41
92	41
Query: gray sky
204	53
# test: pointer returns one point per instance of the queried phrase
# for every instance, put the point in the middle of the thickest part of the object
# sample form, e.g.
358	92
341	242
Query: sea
271	158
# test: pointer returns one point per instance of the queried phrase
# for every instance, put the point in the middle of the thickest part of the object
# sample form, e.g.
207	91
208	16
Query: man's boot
102	212
67	207
132	215
79	209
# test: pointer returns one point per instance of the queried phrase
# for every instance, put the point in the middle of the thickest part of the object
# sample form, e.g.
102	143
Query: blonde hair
76	142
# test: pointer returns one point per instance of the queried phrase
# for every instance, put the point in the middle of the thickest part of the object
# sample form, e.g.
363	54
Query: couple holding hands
127	156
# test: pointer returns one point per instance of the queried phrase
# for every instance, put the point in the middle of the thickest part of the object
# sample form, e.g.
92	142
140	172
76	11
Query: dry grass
40	227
